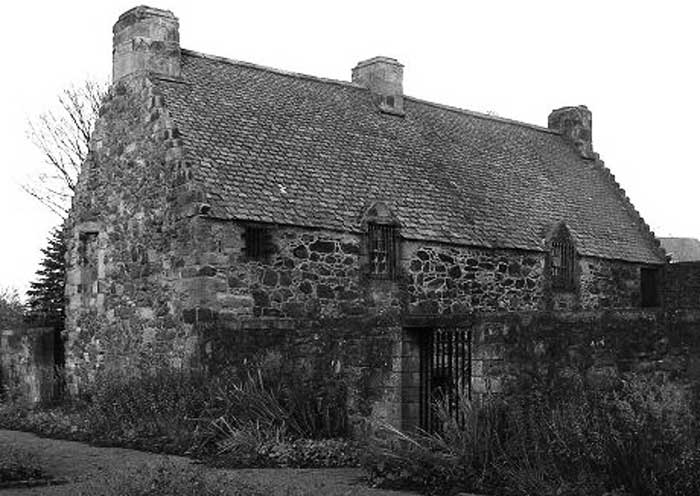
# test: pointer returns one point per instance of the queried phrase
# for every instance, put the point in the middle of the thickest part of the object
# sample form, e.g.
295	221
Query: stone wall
609	284
682	285
306	300
315	274
555	347
456	280
129	214
361	353
27	364
445	280
310	274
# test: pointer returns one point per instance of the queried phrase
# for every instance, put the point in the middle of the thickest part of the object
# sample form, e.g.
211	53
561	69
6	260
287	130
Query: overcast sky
634	64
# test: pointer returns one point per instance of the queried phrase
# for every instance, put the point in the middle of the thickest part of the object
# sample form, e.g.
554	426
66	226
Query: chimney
384	78
146	40
574	123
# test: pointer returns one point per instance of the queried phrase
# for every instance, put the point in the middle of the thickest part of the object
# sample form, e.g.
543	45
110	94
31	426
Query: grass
18	465
164	479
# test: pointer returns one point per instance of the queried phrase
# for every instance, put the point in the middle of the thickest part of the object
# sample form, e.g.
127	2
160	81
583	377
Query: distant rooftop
682	249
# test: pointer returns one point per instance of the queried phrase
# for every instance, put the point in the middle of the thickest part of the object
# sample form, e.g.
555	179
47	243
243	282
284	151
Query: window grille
445	375
382	250
258	242
563	264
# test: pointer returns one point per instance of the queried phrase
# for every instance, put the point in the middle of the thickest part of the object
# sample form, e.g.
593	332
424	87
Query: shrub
461	455
262	414
157	409
293	402
257	415
637	438
57	422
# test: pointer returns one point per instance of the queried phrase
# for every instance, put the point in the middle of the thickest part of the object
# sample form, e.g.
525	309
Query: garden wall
682	285
597	346
358	355
27	363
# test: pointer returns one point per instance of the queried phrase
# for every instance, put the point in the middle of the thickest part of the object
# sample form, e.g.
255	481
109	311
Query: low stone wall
362	353
682	285
557	347
27	363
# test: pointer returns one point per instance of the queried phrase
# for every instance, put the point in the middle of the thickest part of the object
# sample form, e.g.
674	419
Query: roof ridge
482	115
281	72
350	84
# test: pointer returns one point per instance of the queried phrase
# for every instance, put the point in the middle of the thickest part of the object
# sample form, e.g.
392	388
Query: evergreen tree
11	309
46	293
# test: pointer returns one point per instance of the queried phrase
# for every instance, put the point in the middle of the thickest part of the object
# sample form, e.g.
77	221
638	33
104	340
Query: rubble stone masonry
154	279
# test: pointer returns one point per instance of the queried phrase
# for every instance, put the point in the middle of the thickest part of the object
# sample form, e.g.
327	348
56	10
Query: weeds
257	416
639	439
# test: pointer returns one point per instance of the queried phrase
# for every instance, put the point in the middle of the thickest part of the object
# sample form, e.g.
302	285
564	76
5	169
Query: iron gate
445	372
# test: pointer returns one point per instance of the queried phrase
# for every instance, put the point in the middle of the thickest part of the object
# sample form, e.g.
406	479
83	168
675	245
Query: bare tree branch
62	136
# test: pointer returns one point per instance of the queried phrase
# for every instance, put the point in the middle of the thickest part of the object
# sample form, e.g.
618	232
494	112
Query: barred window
382	250
258	242
562	264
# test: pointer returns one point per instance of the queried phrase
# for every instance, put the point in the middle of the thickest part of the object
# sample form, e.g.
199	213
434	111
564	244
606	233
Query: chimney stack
384	78
575	124
146	40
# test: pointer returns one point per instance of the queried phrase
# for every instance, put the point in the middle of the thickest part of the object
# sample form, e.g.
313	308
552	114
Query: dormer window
562	260
381	241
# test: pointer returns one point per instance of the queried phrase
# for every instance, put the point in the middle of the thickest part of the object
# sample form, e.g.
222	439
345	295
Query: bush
157	410
292	402
461	455
638	438
267	415
256	416
18	465
57	422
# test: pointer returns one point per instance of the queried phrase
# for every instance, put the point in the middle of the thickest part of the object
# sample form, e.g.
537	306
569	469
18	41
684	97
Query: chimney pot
575	125
383	76
146	39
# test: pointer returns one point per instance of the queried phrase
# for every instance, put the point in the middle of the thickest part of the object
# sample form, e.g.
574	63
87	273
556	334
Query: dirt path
78	463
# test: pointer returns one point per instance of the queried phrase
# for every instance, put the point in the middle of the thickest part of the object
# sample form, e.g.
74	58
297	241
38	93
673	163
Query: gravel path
78	463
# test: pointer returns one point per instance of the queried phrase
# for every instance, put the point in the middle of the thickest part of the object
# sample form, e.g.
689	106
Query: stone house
228	209
681	249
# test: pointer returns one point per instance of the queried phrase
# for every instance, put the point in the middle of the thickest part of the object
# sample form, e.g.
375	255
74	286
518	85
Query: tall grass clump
273	414
638	438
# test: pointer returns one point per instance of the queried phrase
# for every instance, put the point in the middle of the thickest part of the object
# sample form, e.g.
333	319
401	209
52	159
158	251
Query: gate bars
445	372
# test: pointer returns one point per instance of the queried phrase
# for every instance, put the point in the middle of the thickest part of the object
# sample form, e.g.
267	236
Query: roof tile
449	175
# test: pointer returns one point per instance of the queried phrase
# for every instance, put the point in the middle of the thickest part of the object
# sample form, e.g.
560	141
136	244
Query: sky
634	64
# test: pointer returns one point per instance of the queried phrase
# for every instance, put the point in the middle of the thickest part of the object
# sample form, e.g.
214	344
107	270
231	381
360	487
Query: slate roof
682	249
291	149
